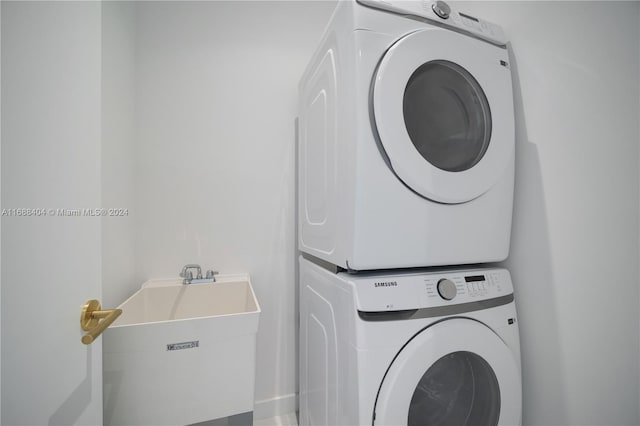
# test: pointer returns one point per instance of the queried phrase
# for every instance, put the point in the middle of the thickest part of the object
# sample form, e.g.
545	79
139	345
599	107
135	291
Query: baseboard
278	406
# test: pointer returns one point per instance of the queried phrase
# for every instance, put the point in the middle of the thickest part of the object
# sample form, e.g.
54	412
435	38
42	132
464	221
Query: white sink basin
169	300
179	345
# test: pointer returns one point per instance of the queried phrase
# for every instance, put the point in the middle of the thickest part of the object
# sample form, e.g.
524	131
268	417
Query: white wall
574	257
118	150
216	94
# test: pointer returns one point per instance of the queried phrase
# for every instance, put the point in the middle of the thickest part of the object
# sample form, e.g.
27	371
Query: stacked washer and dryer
406	175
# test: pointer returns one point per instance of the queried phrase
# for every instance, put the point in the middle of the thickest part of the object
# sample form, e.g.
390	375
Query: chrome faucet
188	275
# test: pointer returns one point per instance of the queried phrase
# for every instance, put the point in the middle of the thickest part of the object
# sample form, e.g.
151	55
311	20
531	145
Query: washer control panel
387	292
441	13
471	286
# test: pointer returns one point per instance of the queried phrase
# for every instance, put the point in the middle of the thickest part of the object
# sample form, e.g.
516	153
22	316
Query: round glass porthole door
458	389
442	113
447	116
456	372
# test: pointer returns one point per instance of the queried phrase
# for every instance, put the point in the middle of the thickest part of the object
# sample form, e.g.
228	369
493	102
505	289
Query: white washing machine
412	348
406	139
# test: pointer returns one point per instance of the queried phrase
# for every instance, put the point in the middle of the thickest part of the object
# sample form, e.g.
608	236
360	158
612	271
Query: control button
447	289
441	9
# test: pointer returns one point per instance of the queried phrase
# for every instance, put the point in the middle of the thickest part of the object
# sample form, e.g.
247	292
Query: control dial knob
441	9
447	289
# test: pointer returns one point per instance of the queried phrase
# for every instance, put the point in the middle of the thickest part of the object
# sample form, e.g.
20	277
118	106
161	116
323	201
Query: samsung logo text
386	284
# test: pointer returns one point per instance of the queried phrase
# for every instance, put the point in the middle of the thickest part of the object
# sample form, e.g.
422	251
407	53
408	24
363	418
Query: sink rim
175	282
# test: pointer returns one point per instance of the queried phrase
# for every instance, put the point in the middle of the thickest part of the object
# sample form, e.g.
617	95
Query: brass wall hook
90	320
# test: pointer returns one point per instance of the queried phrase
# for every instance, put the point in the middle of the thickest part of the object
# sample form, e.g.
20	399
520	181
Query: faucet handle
185	269
211	273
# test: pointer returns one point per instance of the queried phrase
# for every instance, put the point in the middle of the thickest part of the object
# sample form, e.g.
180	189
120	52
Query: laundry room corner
574	246
188	115
199	140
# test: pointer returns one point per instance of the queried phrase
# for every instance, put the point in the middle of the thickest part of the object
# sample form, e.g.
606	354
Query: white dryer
406	139
414	348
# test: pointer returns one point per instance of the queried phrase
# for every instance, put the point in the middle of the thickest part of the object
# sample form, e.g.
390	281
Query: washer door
443	112
456	372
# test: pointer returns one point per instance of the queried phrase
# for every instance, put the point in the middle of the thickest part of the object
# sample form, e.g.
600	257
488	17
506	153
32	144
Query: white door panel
51	82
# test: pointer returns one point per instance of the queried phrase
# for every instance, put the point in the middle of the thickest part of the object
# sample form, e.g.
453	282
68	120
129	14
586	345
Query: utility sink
182	354
170	300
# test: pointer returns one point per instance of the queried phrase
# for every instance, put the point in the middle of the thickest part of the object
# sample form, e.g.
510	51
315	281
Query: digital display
474	278
468	17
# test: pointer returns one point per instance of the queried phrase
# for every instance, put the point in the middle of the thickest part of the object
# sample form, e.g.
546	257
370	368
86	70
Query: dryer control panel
397	292
440	13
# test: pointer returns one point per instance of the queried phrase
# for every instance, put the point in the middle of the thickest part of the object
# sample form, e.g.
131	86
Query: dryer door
443	112
456	372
